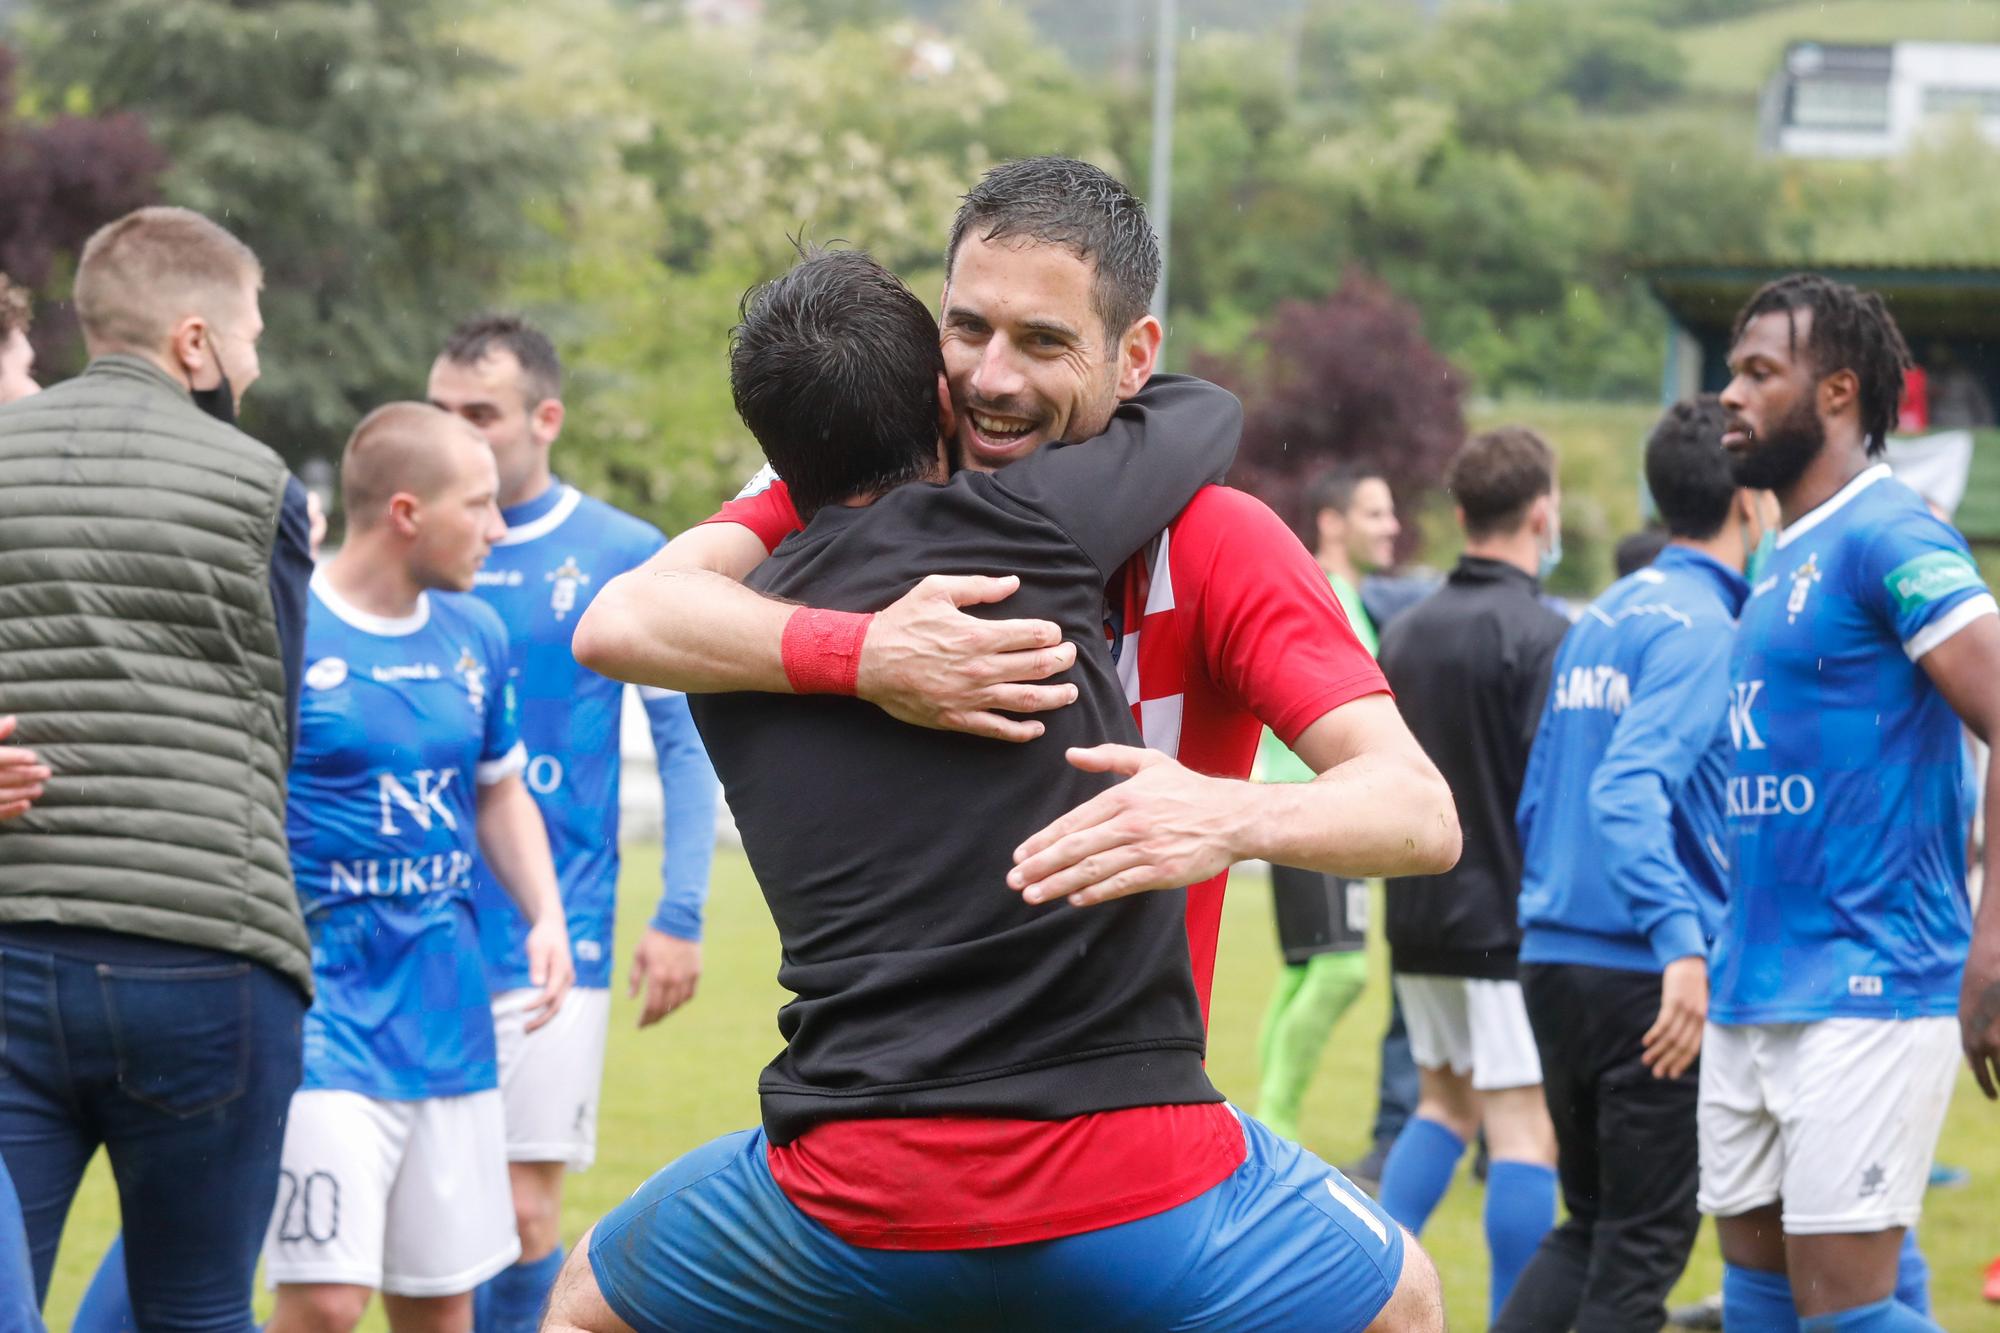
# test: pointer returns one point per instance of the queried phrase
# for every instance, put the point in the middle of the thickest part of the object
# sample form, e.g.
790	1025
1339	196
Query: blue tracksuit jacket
1621	814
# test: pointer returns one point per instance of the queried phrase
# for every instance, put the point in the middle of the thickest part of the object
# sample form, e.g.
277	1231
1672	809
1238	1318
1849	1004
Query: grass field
694	1077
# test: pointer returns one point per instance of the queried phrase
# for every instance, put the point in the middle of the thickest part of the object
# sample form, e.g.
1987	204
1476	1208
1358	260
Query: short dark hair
1061	201
481	336
1497	475
1636	550
1851	330
835	370
1687	471
1334	488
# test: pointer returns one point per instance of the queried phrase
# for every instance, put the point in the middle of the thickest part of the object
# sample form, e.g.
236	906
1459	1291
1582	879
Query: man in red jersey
1222	621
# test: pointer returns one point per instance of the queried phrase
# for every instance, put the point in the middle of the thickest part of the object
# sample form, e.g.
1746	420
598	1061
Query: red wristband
822	650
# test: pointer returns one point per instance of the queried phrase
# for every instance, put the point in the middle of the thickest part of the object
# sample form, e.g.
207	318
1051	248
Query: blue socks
511	1300
1888	1315
1419	1171
1753	1299
1913	1276
1520	1209
107	1304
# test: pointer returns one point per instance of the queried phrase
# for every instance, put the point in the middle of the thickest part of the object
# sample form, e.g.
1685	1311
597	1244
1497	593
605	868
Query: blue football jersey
399	721
560	550
1845	805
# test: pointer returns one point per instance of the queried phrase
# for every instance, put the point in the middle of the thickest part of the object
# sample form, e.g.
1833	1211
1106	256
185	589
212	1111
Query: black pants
1628	1157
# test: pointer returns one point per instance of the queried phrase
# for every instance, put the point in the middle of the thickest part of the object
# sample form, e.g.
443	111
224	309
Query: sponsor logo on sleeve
758	483
1931	576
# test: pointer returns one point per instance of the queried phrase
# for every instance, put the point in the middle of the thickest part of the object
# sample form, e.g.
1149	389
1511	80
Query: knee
538	1216
1417	1304
322	1307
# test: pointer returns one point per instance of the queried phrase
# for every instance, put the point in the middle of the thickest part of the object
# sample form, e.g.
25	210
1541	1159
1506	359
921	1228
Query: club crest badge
567	578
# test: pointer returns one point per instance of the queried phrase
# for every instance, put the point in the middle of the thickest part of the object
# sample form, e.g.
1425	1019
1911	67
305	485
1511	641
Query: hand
22	774
668	968
1674	1040
549	966
1979	1014
1166	827
927	662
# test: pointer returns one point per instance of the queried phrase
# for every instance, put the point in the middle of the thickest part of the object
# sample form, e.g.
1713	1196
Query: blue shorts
712	1243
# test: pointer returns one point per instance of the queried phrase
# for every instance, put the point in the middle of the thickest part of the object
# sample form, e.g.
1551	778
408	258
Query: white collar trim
394	627
1827	508
547	523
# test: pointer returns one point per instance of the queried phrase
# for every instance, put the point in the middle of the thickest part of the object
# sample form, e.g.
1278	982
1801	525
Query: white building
1834	101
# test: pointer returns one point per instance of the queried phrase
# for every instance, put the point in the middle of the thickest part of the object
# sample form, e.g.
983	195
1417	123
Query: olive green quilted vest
139	649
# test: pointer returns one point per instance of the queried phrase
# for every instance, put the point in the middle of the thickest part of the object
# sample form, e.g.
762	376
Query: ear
1138	354
947	419
1839	394
405	514
187	346
1330	525
546	421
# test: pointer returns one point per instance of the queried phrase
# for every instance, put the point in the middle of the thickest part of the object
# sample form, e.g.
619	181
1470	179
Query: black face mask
219	402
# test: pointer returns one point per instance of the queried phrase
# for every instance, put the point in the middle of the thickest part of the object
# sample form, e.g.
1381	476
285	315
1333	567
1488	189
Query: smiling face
1026	352
1774	429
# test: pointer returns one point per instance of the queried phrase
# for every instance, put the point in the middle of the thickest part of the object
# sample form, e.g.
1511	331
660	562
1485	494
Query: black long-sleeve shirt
923	984
1470	667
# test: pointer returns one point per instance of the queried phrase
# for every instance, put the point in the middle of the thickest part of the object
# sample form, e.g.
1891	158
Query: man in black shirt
1470	667
929	996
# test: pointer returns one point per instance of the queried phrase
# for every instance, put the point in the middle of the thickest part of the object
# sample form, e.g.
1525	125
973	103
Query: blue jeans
183	1067
712	1244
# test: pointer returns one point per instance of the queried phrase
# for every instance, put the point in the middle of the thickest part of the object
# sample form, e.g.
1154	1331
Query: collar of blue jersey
394	627
540	516
1730	583
1832	505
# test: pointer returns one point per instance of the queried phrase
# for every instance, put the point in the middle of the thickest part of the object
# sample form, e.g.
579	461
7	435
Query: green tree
340	139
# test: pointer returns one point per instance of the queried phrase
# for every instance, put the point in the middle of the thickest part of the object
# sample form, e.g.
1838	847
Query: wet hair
1061	201
1497	475
142	274
1851	330
835	369
481	336
15	312
1690	476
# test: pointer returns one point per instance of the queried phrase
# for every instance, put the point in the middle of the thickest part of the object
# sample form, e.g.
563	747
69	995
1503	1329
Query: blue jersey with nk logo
399	721
561	548
1845	800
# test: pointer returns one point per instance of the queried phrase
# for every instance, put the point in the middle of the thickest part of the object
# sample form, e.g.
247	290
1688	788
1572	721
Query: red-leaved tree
1348	379
60	180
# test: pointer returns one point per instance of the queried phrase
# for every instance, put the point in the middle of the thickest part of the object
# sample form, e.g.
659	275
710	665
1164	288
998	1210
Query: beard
1780	457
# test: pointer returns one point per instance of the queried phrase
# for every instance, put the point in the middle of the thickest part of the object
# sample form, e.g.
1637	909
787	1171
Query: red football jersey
1223	625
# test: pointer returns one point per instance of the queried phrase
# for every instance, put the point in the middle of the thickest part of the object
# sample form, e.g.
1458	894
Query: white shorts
1837	1118
550	1078
1476	1027
411	1198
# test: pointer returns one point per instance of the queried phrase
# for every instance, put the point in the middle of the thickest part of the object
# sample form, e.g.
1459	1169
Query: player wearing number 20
409	760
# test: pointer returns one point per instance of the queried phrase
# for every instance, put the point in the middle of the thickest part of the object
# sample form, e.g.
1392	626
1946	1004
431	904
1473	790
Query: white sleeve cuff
1950	623
506	766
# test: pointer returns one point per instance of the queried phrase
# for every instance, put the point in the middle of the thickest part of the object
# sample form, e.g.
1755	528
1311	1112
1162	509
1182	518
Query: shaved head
402	449
143	273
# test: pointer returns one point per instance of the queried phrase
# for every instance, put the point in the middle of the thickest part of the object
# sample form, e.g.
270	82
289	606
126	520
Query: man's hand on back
927	662
22	774
1165	827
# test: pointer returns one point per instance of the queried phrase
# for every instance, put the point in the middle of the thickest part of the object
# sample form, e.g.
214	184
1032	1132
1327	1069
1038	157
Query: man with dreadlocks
1830	1051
